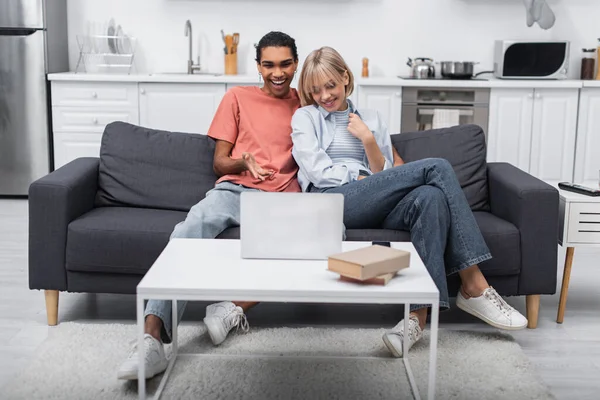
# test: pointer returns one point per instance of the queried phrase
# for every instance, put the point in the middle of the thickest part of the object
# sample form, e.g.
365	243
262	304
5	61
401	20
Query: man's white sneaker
221	318
491	308
394	339
156	362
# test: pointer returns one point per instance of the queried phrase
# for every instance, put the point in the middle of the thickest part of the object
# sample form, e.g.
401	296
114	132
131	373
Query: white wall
385	31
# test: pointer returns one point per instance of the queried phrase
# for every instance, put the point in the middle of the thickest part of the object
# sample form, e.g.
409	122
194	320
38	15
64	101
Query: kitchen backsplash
385	31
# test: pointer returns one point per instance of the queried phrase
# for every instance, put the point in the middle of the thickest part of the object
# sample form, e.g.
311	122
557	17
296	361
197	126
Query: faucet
191	67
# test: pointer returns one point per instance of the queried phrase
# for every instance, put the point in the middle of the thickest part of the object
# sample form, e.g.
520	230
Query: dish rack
106	54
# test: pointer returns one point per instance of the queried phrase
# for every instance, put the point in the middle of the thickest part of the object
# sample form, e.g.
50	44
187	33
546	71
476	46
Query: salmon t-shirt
259	124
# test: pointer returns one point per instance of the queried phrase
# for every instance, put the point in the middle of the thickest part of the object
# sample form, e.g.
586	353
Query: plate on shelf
110	32
120	42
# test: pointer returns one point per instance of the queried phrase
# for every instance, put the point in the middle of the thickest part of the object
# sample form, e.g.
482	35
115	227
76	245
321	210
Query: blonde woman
342	149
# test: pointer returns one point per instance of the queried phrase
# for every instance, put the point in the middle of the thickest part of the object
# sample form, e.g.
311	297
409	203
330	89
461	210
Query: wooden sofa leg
52	306
533	307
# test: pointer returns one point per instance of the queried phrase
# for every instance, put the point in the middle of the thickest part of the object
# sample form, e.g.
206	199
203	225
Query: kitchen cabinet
385	99
587	161
81	111
553	134
179	107
535	130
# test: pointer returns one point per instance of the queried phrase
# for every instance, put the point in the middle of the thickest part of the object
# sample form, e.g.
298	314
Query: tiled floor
567	356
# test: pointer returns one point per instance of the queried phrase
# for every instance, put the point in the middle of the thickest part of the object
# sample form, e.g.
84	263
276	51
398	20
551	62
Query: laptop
300	226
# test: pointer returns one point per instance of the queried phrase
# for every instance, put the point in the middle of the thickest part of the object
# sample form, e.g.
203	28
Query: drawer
70	146
584	223
120	94
80	119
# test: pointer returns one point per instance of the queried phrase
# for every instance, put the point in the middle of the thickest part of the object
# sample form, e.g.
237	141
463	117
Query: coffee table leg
435	313
405	338
140	330
174	328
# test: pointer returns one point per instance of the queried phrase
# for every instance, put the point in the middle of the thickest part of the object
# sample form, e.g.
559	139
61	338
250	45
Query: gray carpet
79	361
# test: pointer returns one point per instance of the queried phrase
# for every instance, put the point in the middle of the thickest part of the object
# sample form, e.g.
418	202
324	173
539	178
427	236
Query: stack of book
374	264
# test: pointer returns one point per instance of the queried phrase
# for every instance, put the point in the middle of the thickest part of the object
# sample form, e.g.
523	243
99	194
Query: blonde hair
323	65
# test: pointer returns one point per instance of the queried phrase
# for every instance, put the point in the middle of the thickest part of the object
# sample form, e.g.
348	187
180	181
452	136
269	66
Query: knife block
231	64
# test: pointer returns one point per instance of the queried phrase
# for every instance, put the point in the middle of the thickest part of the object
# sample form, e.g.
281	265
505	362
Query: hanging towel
444	118
539	11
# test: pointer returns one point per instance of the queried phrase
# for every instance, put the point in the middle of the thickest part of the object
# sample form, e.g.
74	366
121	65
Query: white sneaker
221	318
394	339
491	308
156	362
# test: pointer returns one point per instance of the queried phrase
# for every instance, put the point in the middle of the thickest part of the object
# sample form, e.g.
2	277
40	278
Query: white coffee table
212	270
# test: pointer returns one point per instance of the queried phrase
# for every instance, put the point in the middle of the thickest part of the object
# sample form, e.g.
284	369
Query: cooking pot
459	69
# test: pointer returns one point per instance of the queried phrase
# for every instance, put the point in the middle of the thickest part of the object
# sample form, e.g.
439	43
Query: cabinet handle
398	94
538	96
143	91
530	95
94	94
95	121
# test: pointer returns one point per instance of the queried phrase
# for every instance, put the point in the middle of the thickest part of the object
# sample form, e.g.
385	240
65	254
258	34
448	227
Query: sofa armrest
532	206
54	201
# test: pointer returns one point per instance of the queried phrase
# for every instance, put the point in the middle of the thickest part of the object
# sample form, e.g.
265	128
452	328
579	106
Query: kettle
422	68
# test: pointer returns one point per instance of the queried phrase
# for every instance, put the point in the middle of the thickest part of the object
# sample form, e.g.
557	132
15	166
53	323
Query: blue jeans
219	210
425	198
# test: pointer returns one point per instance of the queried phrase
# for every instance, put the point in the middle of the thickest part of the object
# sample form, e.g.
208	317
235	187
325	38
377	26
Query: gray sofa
97	224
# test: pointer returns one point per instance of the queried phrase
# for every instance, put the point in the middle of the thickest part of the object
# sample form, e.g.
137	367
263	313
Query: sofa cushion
149	168
504	241
119	239
463	146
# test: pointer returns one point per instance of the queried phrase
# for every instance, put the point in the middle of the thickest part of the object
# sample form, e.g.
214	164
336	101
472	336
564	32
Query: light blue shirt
313	130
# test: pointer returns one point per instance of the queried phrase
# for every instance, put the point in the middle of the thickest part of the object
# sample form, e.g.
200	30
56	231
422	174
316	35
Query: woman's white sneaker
156	361
491	308
394	339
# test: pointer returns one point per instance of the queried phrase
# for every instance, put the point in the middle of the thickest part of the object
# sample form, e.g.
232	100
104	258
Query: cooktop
442	79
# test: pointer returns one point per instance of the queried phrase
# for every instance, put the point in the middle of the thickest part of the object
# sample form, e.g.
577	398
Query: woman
340	149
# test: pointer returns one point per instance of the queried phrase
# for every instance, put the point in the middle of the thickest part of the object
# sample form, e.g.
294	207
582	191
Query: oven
425	108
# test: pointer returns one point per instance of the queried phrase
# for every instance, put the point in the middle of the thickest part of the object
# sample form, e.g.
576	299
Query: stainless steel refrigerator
33	43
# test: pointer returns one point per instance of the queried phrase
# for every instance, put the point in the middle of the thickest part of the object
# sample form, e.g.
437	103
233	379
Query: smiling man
253	152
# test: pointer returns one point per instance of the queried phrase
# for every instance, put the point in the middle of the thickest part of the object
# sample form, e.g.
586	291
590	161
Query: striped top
345	148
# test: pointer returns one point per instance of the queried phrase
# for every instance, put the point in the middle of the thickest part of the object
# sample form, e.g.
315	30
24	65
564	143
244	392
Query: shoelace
413	329
134	343
237	319
499	302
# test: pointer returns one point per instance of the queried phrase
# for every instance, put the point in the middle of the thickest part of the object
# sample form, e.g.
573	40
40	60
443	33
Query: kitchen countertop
595	84
359	81
173	77
471	83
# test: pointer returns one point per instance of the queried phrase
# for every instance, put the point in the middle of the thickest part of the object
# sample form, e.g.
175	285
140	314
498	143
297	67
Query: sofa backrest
143	167
463	146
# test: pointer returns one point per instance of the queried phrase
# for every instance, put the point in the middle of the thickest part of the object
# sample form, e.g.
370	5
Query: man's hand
358	128
256	170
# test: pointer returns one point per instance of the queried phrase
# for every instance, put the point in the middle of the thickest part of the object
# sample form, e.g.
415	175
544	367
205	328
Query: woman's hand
358	128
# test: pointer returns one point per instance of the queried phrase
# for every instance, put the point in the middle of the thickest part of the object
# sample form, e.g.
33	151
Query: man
253	152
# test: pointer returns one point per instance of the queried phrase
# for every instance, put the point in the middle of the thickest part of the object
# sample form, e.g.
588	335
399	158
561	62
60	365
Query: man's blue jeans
219	210
425	198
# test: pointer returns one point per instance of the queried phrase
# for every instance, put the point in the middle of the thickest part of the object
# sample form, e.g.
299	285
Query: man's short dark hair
276	39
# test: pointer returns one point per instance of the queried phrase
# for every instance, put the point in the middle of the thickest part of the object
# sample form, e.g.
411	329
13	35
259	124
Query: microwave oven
515	59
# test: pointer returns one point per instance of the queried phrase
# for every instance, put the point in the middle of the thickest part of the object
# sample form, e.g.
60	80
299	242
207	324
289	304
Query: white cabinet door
68	146
554	131
179	107
510	121
587	155
385	99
